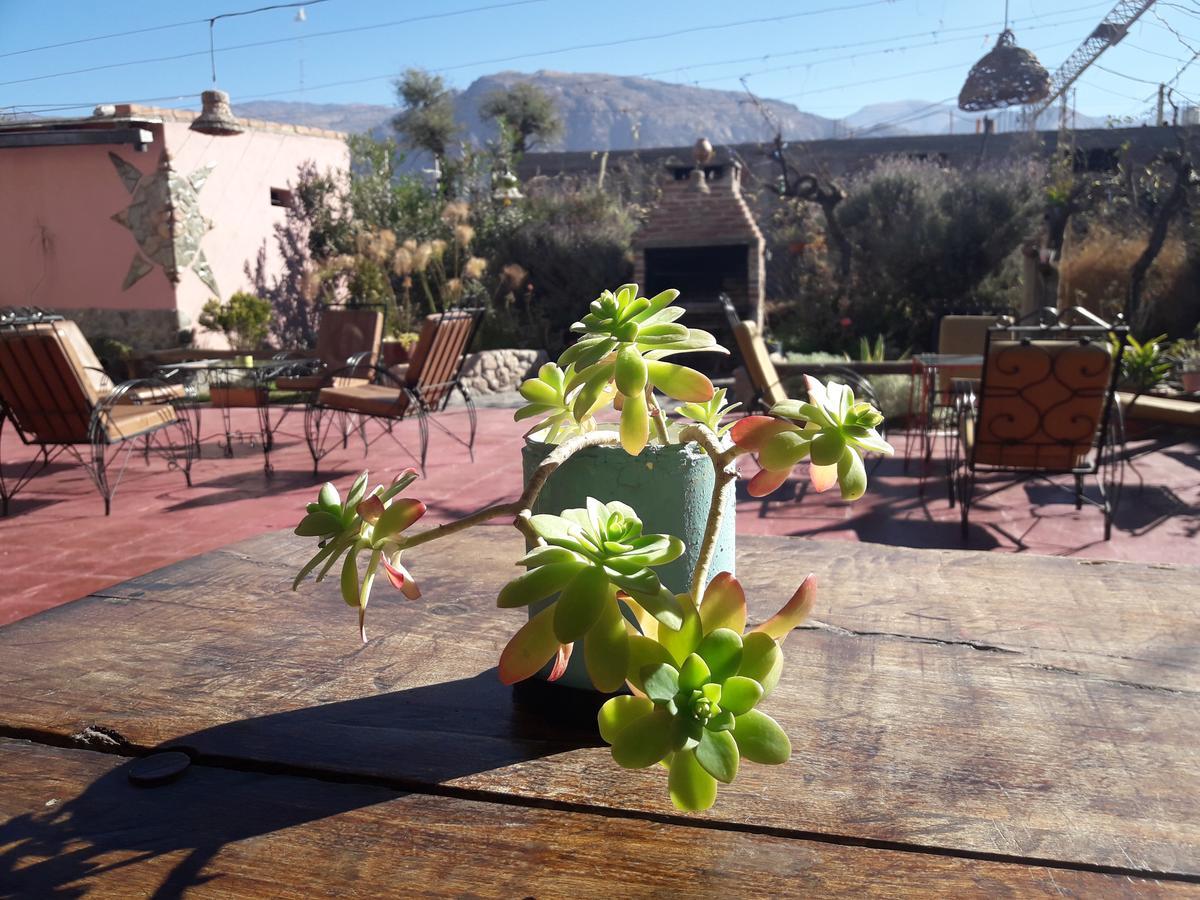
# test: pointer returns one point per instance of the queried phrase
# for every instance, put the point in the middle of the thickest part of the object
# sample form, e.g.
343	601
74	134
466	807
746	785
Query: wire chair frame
413	399
1105	462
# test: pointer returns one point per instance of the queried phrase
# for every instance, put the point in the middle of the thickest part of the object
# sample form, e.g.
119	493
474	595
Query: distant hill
615	112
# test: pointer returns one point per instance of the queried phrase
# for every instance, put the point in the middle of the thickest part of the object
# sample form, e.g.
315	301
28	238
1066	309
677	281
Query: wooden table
962	723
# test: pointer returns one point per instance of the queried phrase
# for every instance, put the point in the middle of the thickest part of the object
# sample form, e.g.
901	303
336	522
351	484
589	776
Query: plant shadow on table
258	776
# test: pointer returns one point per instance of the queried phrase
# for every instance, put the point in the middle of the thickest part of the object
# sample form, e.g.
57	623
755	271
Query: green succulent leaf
620	712
358	491
692	788
762	660
313	563
717	753
722	721
721	649
349	581
543	556
827	448
580	603
852	474
630	371
740	694
661	682
682	641
534	645
760	739
643	653
538	584
680	382
665	607
606	649
694	673
318	524
329	500
644	741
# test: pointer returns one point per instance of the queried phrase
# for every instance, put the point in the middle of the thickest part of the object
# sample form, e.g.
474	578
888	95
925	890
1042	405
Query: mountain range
616	112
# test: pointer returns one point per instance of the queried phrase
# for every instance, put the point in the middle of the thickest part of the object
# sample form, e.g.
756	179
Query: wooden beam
75	137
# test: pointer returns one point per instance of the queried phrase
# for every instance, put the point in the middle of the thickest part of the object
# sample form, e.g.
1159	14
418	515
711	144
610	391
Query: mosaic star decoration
164	218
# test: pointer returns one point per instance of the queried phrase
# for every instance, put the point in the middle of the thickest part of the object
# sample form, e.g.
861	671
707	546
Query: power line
900	49
286	40
894	76
927	32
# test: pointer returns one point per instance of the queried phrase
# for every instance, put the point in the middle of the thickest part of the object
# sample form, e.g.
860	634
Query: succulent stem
725	468
657	416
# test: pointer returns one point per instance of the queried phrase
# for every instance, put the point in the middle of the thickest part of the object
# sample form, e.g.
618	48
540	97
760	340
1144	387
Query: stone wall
496	371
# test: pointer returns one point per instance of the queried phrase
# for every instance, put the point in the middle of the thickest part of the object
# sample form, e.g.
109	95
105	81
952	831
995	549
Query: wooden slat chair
347	337
428	384
1043	407
59	402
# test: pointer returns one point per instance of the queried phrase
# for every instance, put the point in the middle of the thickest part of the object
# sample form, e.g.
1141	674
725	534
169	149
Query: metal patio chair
59	400
1044	407
347	336
429	382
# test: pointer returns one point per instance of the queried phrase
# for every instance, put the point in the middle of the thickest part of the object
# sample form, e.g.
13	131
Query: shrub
244	320
1096	270
566	243
926	241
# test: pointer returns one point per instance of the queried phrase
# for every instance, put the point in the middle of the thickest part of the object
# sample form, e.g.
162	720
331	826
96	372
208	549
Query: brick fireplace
702	239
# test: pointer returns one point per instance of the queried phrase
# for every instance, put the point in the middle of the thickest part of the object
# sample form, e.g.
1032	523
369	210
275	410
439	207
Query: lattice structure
1110	31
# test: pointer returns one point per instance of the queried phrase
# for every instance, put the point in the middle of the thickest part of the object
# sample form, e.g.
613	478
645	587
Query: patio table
962	724
923	397
243	384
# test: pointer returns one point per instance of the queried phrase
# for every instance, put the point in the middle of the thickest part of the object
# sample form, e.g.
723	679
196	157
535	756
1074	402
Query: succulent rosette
625	339
594	559
373	522
696	693
551	403
831	430
709	414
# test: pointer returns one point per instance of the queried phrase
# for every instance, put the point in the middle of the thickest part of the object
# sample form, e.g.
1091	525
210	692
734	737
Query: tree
528	114
426	120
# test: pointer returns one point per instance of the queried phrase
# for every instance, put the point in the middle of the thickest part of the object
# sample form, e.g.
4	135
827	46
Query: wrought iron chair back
1045	405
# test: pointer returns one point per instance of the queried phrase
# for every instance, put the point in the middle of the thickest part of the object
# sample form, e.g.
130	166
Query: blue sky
830	57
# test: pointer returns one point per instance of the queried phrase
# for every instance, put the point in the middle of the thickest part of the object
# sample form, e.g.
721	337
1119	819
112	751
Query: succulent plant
694	709
551	404
830	429
375	522
594	559
696	676
625	339
710	413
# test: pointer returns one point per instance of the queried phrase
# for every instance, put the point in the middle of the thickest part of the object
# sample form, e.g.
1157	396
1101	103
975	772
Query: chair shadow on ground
262	775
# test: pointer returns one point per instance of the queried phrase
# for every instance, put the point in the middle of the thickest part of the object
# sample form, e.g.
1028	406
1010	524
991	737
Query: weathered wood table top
962	723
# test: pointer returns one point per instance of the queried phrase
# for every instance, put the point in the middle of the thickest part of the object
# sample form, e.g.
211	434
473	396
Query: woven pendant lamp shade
216	117
1006	76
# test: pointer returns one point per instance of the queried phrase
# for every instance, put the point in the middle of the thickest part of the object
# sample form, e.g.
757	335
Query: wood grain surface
1001	707
73	822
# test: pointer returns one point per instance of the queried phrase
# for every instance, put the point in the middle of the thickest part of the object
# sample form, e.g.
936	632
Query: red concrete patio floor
56	545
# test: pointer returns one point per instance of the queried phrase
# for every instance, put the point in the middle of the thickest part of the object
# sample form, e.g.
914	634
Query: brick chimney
702	239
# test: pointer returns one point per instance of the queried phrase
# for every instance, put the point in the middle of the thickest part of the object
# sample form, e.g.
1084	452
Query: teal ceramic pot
669	487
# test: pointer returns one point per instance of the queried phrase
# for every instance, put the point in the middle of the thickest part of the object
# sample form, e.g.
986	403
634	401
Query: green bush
566	243
926	241
244	320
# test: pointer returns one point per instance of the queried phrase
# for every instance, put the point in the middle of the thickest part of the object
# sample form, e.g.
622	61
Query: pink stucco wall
237	199
60	249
